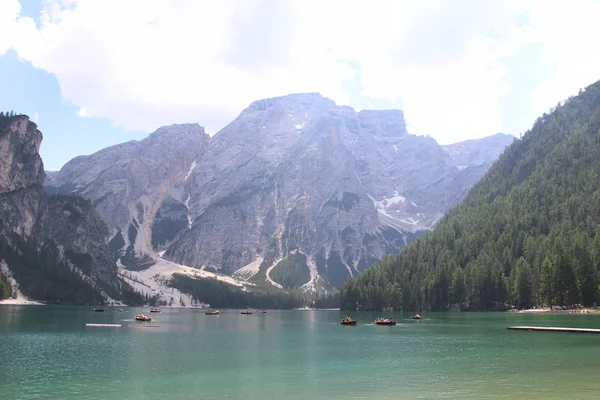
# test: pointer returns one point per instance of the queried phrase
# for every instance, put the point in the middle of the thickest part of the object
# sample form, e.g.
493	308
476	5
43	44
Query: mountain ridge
295	173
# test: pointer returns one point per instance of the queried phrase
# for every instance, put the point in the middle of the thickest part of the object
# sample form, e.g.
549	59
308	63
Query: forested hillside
528	234
219	294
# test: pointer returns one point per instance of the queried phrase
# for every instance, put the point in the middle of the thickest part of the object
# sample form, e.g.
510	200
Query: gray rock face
295	191
76	226
478	152
22	210
127	184
301	175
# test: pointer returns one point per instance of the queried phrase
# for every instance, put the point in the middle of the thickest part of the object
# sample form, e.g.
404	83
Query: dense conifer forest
5	289
527	234
44	278
219	294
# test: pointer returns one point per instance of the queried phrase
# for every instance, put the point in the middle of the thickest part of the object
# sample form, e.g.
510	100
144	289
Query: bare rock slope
296	191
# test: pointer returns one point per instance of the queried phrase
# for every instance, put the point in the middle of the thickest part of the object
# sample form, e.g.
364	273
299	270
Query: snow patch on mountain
190	170
248	271
186	203
390	201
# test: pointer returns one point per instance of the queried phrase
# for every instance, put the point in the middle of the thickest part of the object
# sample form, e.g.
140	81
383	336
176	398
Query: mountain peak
291	101
191	129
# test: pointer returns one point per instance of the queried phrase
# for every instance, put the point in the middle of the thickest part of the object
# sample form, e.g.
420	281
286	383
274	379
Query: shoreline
21	302
585	310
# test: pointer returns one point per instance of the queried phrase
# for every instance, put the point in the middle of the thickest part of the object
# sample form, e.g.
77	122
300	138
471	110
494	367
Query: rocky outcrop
57	248
82	235
22	210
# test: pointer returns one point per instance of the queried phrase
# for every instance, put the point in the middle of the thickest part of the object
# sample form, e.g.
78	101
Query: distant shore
21	302
585	310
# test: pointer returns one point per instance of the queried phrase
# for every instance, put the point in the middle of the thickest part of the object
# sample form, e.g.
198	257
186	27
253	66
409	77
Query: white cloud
569	33
36	117
449	64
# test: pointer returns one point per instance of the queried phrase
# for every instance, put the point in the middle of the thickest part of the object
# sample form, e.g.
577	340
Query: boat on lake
142	317
212	312
416	316
384	321
348	321
155	310
246	312
98	309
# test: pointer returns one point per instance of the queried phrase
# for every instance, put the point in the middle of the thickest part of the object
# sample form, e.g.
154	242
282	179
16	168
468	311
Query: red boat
416	316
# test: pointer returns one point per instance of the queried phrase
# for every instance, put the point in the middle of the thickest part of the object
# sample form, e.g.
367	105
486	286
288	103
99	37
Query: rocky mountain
527	235
129	183
296	191
303	192
53	250
477	152
83	237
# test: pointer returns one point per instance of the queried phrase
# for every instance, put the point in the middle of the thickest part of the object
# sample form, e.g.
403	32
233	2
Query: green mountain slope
528	234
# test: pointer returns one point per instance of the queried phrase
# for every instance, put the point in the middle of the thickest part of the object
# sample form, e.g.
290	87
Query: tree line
223	295
9	114
5	289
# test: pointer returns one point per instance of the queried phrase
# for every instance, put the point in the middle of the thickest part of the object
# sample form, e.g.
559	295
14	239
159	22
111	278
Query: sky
93	73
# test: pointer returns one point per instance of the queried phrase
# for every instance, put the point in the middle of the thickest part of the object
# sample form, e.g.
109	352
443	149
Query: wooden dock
551	329
107	325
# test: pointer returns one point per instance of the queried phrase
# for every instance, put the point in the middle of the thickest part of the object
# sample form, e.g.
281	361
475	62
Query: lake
47	352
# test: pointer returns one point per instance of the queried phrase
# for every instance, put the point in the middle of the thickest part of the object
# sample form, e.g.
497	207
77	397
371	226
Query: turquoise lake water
47	352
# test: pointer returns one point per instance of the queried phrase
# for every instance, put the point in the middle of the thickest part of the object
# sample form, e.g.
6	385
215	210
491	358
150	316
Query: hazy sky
99	72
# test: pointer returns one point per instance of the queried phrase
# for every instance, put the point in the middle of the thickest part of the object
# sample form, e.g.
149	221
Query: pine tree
546	292
457	288
522	284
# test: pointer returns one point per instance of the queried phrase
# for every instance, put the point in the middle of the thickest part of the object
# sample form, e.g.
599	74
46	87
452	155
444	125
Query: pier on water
551	329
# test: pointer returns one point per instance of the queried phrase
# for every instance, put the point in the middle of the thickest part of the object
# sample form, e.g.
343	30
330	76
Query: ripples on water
48	353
